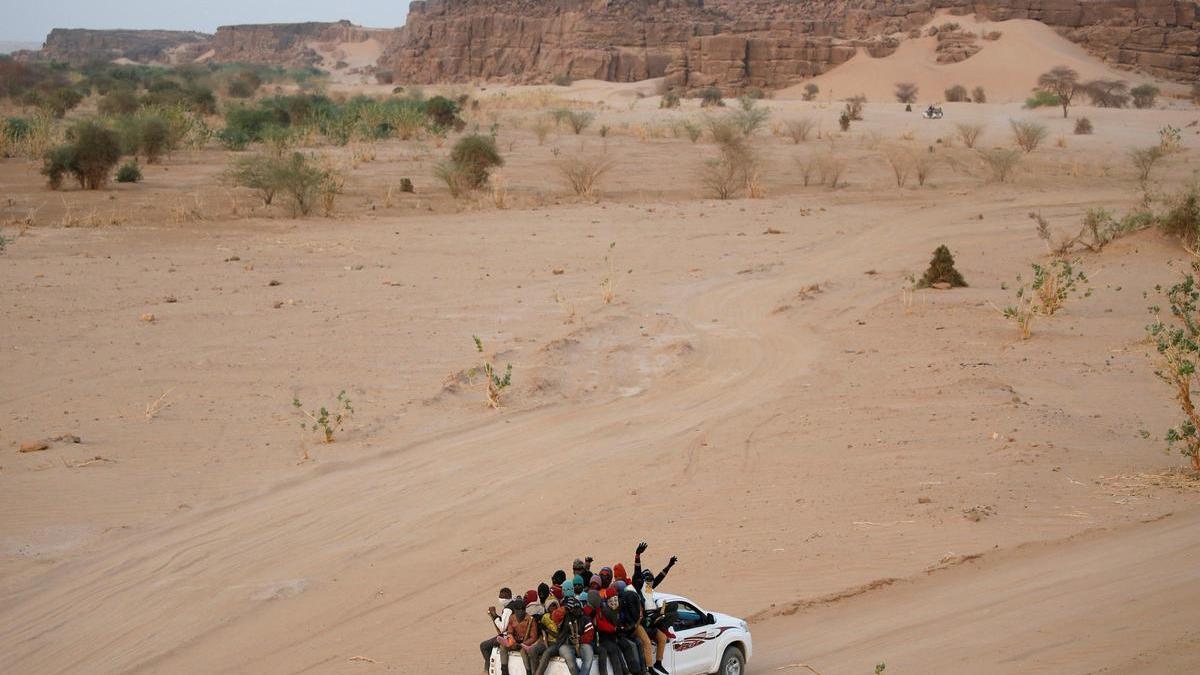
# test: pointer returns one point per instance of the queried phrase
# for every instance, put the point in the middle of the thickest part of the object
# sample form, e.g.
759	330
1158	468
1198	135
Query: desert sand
865	479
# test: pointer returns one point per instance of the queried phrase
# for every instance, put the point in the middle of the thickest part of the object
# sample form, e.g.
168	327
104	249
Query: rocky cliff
745	43
284	44
79	45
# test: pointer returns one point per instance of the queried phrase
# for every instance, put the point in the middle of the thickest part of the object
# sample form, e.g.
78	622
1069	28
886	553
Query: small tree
1177	341
1028	135
443	112
1144	160
1063	82
941	270
810	92
1107	93
301	182
258	172
1144	95
956	94
906	92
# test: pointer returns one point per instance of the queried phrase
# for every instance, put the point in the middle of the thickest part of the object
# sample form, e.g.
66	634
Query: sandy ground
757	400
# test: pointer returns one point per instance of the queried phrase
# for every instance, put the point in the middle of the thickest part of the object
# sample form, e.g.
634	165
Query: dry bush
735	169
1028	135
1144	160
901	164
1083	126
978	94
457	178
969	133
830	169
854	107
1001	161
541	128
582	172
798	130
906	92
956	94
808	169
722	129
923	164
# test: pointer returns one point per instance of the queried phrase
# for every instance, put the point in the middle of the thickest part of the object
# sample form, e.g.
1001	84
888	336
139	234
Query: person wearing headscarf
523	629
576	639
500	621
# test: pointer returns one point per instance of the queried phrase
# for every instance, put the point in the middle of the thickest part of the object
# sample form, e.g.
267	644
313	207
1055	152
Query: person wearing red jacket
576	639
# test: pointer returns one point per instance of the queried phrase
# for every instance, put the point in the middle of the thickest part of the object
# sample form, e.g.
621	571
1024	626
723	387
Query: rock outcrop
284	44
79	45
737	44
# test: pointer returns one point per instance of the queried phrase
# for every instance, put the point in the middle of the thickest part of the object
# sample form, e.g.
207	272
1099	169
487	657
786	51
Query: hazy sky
25	20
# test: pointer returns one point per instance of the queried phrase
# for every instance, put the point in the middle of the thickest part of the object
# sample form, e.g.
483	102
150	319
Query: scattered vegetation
323	419
1177	341
941	271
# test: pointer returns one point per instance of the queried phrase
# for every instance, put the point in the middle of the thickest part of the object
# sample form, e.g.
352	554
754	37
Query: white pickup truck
704	643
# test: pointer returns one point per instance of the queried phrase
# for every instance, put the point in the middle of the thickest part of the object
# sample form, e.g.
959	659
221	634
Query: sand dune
1006	68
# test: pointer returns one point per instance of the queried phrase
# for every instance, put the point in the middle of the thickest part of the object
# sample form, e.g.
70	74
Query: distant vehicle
704	643
933	112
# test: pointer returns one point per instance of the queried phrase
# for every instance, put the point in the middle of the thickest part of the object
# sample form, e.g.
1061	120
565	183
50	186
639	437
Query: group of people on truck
605	616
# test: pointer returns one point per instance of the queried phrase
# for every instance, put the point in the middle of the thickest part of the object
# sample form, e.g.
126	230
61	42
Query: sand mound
1007	68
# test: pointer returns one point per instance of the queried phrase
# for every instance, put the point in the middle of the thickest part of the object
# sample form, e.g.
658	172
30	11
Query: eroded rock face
736	44
283	44
78	45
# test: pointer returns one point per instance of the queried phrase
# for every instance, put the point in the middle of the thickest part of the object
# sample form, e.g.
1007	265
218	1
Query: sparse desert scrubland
731	325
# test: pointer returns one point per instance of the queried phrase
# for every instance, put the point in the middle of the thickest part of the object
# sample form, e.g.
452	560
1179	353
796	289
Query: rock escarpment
738	44
284	44
79	45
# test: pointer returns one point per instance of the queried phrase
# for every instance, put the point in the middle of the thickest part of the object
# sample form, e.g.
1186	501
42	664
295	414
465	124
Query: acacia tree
1063	82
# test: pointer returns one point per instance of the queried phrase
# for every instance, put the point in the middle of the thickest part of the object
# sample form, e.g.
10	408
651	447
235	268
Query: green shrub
749	117
302	182
92	152
1042	99
58	101
711	97
129	172
443	113
259	173
1144	95
941	270
121	101
476	156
